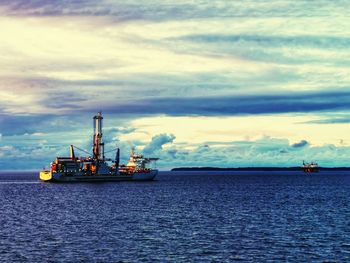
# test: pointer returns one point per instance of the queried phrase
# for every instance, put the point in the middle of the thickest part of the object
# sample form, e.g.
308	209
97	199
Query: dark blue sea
180	217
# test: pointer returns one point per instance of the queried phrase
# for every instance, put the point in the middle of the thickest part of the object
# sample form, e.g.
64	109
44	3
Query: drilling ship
96	168
310	167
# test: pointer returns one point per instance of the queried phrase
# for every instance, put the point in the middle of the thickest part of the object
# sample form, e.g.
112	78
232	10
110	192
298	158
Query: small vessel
310	167
95	168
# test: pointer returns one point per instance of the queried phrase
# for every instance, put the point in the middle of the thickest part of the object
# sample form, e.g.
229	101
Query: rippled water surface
180	217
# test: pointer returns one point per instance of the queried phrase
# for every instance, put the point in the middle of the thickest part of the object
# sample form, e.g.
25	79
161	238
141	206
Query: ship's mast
98	149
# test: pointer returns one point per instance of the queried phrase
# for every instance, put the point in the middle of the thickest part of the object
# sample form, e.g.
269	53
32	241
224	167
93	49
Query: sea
183	216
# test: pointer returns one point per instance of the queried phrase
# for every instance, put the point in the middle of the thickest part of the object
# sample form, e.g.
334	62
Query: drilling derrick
98	148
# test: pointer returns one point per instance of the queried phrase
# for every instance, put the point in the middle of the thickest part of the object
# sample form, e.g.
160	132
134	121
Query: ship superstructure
96	167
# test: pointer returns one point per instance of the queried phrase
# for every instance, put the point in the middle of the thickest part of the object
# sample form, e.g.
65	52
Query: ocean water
180	217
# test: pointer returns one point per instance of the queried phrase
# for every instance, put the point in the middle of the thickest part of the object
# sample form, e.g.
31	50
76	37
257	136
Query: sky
195	83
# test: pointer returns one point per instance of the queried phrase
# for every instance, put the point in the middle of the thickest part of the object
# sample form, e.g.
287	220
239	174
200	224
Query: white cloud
227	129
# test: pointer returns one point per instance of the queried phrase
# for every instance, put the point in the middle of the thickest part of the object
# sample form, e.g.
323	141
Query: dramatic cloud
248	81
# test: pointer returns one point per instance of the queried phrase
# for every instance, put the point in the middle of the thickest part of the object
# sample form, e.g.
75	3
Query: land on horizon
294	168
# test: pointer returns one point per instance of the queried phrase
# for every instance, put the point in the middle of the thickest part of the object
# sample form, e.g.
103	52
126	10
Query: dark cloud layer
35	123
198	106
15	125
165	10
237	105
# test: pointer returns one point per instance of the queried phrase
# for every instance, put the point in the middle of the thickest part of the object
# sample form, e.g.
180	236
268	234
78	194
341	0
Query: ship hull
48	176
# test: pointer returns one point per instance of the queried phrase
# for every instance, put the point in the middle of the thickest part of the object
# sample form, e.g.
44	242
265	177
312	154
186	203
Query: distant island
296	168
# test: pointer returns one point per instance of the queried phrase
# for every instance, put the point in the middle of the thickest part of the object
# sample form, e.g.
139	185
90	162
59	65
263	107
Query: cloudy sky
196	83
